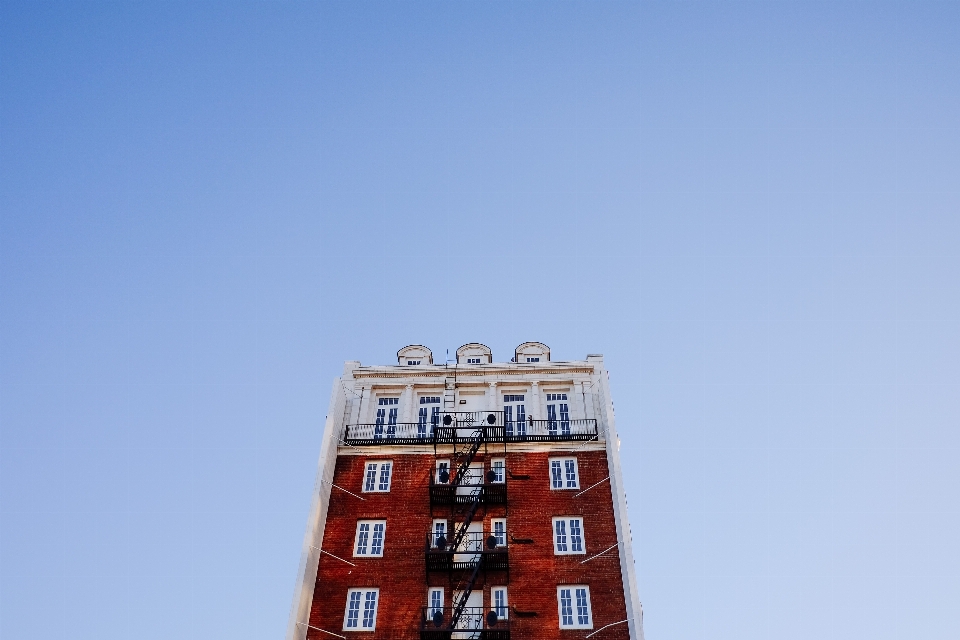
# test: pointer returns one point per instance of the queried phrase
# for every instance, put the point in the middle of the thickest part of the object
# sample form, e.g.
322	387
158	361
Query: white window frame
513	400
384	424
433	531
429	408
361	619
431	608
436	473
503	467
568	536
493	530
574	605
371	524
378	474
506	602
563	473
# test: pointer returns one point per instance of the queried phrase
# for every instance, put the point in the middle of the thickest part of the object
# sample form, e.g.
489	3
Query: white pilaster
406	404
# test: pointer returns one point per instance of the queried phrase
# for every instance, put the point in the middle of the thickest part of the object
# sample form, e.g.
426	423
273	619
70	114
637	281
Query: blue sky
750	208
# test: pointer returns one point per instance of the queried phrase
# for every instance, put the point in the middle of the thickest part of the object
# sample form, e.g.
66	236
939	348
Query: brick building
469	499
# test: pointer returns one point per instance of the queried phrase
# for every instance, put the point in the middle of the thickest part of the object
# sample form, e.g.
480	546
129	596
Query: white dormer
532	352
474	353
413	355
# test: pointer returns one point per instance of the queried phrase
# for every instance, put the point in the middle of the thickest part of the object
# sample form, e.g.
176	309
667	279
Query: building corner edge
313	538
624	535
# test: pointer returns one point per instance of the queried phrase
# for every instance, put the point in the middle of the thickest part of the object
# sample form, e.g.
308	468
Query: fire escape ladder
466	458
467	519
465	592
450	393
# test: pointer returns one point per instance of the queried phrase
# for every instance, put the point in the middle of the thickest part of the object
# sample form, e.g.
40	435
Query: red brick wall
535	571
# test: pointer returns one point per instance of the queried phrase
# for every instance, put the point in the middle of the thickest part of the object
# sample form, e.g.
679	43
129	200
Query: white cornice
474	371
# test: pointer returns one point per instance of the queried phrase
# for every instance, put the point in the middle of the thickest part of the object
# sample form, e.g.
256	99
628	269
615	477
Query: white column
536	403
492	400
578	401
359	395
589	392
406	402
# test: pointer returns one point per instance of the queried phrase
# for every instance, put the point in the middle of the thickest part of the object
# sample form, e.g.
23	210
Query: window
387	409
563	473
557	405
439	529
435	600
369	540
499	528
499	597
429	409
574	604
413	362
473	360
529	359
443	471
499	467
568	536
361	613
514	415
377	477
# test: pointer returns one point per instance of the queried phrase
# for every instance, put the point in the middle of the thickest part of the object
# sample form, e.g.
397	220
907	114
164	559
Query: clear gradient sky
751	209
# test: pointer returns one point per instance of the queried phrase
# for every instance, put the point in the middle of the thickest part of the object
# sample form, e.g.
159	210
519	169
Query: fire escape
463	493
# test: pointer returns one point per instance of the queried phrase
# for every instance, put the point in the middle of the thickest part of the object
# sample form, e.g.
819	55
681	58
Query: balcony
448	495
476	548
474	623
462	427
550	430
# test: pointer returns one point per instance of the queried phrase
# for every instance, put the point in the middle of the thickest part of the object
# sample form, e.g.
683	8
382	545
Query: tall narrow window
377	477
515	415
558	414
439	530
573	603
568	535
370	610
384	484
564	474
429	412
443	472
498	465
560	535
369	540
353	609
499	527
361	611
387	410
422	422
376	545
435	598
499	597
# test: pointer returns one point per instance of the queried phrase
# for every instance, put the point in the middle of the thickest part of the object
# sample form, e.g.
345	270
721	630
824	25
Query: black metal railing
474	622
449	495
488	549
459	427
550	430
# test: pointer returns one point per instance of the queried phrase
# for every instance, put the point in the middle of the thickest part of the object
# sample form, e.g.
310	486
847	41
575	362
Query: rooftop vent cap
532	352
413	355
474	353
